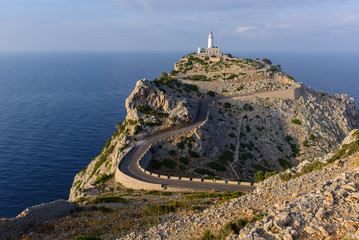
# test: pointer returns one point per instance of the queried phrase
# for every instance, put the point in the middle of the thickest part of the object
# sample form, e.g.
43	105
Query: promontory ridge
221	147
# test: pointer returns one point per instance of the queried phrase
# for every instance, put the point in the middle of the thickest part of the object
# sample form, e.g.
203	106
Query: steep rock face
249	134
146	93
160	108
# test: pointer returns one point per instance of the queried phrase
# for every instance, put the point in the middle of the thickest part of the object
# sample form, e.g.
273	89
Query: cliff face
252	128
149	109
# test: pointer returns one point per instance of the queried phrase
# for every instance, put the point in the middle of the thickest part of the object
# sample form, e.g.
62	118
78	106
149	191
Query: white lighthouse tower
210	40
211	50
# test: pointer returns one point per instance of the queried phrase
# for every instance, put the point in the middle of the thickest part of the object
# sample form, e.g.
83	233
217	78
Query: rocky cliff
253	131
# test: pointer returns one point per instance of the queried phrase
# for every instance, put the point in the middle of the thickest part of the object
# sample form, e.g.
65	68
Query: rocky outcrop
34	216
162	99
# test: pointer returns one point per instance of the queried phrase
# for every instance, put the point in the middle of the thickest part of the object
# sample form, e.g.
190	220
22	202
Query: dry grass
141	211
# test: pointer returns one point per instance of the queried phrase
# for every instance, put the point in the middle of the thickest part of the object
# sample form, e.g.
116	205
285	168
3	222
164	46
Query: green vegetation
204	171
240	88
227	105
184	160
262	175
169	163
296	121
232	135
155	164
190	87
123	147
233	75
158	193
207	235
226	196
216	166
164	79
273	69
211	93
172	152
248	128
267	61
198	78
311	137
102	158
285	177
306	143
247	107
231	227
82	237
146	109
103	178
138	128
108	142
283	163
193	154
108	199
180	145
293	146
226	156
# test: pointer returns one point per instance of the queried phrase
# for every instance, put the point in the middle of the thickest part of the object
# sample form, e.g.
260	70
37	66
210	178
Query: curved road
129	164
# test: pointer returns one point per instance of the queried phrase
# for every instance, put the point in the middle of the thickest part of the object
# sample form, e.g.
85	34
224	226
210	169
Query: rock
323	231
320	213
283	218
310	230
350	187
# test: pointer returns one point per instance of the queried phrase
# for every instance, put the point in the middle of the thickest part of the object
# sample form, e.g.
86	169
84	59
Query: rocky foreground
322	204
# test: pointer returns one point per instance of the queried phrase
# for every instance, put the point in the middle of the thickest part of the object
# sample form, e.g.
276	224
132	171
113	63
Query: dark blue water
58	109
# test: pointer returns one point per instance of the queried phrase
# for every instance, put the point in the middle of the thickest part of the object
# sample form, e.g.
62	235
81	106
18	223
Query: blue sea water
58	109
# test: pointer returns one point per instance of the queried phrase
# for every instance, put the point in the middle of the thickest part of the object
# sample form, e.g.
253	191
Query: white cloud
243	29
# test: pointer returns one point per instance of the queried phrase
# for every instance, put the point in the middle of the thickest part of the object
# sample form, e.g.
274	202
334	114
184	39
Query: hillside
257	126
301	147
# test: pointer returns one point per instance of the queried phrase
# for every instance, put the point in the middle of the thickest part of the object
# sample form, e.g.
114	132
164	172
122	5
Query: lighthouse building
210	50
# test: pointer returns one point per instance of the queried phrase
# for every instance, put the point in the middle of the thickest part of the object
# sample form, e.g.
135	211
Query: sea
57	109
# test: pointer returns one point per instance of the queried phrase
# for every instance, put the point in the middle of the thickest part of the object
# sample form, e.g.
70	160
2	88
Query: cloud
217	5
243	29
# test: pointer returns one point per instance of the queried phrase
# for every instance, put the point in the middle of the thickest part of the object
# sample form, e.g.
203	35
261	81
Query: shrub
216	166
191	87
211	93
145	109
296	121
232	135
246	156
155	164
285	177
248	128
311	137
82	237
108	142
306	143
180	145
200	78
172	152
169	163
259	176
158	209
232	227
193	154
227	105
102	178
240	88
184	160
102	158
207	235
108	199
283	163
137	129
226	156
267	61
204	171
232	147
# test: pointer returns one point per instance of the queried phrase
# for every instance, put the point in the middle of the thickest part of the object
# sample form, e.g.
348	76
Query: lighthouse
211	50
210	40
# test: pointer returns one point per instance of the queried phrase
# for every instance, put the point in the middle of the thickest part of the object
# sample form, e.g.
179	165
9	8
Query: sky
181	25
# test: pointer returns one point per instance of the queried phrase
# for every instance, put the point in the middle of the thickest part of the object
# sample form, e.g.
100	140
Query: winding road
129	163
